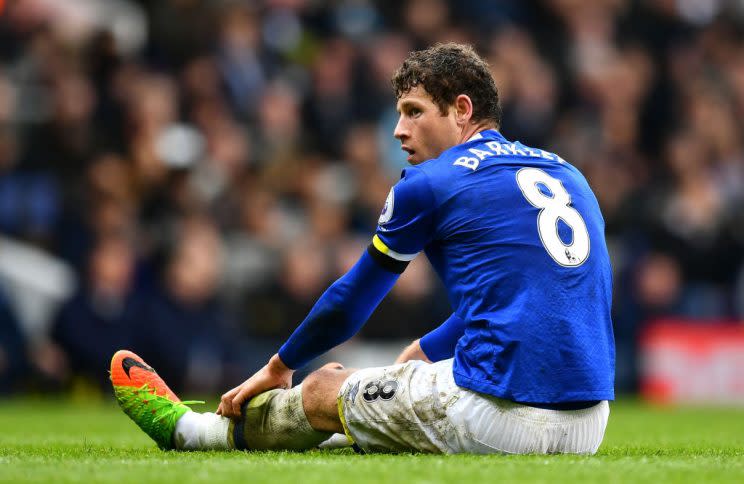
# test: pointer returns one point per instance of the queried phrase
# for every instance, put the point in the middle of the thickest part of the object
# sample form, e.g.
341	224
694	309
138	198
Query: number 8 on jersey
554	208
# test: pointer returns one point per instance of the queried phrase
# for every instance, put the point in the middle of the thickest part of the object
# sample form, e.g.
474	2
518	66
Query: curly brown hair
446	71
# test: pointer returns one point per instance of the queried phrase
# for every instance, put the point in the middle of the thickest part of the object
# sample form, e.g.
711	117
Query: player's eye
414	112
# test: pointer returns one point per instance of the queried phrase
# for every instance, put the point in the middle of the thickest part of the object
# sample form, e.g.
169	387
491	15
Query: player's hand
274	375
412	352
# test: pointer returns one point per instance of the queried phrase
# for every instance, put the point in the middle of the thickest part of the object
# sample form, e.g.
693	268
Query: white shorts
417	407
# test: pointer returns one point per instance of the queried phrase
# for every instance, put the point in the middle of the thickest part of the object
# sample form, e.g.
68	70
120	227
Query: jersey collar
487	134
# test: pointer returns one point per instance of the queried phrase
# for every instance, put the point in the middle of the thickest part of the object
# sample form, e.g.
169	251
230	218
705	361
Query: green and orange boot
145	398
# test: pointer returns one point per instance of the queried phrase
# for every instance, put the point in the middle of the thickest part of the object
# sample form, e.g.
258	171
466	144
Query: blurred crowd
186	177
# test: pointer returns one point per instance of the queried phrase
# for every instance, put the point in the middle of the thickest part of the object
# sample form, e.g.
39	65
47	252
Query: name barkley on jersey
496	148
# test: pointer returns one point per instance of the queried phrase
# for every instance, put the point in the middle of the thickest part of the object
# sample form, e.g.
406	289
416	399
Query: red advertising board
693	362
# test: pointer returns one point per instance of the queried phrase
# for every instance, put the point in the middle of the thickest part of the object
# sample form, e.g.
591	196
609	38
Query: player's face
423	131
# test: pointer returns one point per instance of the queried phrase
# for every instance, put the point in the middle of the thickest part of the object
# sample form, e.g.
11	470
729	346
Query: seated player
525	364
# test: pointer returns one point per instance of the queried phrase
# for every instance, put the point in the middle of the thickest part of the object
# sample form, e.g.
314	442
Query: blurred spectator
100	317
238	57
13	366
330	107
182	328
276	309
425	20
688	221
254	252
279	127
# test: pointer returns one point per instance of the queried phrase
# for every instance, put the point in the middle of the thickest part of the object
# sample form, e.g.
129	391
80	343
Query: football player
525	363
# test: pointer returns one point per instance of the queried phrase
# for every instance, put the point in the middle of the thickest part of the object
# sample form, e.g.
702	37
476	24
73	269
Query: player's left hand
274	375
412	352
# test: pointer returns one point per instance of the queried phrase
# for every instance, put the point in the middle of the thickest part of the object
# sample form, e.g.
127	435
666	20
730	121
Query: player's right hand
274	375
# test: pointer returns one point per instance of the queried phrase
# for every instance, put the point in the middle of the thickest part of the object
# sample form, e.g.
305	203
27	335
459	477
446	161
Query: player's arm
437	345
404	228
344	308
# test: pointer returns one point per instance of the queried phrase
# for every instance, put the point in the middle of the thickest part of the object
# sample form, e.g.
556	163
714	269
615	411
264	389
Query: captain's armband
387	258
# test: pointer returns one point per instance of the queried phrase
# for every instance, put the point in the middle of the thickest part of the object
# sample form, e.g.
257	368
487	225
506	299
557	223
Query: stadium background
185	177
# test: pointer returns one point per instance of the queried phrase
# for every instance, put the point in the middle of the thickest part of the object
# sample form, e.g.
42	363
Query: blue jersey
517	236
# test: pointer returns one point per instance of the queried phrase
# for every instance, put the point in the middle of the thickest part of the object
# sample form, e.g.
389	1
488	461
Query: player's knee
315	383
319	393
334	365
323	385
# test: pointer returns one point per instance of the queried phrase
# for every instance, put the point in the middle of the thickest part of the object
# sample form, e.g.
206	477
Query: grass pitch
58	441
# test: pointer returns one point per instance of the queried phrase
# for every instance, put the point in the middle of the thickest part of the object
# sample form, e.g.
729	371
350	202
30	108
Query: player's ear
463	109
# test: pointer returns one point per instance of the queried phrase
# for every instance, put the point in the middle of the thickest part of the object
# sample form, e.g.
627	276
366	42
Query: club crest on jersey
387	210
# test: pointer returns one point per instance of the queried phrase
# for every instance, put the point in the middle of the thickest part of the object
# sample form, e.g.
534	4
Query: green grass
58	441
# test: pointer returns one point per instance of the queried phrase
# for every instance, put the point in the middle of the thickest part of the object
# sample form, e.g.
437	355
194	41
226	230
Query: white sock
202	431
336	441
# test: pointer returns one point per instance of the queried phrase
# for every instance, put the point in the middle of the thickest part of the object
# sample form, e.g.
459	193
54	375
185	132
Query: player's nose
401	129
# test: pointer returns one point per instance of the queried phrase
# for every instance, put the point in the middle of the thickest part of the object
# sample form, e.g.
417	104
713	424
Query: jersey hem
517	396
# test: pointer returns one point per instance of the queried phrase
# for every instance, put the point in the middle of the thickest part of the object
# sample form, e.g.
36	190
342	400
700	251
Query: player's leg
320	397
399	408
419	407
409	407
295	419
